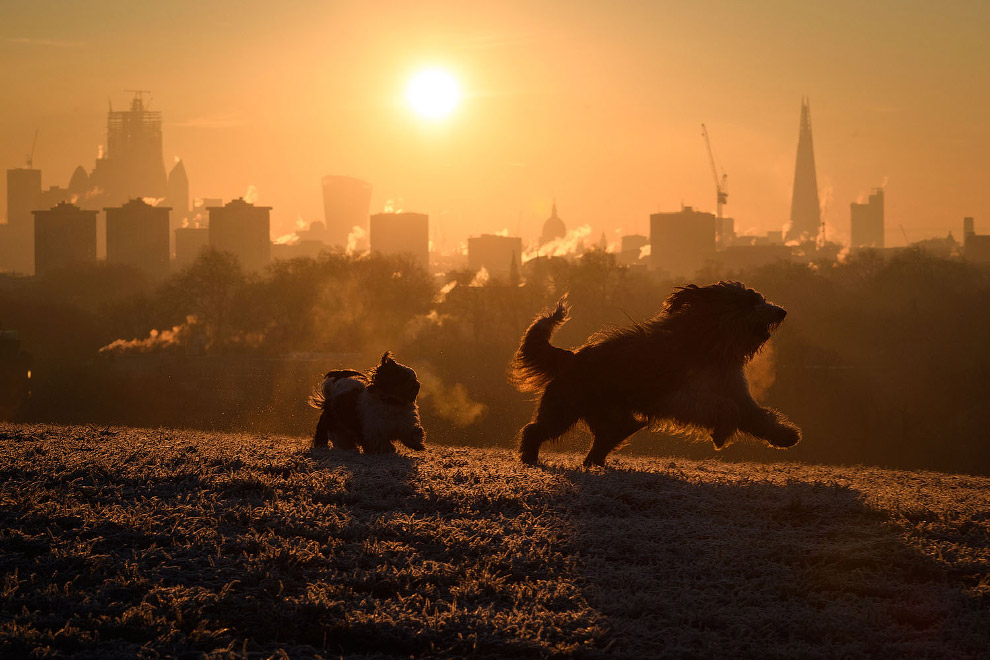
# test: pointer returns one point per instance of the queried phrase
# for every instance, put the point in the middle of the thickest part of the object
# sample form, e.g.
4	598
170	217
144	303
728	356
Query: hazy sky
595	104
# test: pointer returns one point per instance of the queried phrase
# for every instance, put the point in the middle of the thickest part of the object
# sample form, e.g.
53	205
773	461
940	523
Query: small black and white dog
369	410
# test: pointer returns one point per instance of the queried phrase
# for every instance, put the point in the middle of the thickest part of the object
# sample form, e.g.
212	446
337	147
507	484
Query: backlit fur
369	410
683	368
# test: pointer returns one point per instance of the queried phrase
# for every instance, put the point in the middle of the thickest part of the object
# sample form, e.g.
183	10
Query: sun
433	93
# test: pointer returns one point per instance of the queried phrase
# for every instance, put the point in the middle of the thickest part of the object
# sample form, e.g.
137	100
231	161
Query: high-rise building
805	222
178	194
402	234
346	204
499	255
553	227
189	244
631	247
243	229
177	199
138	235
64	235
866	222
681	242
23	197
134	153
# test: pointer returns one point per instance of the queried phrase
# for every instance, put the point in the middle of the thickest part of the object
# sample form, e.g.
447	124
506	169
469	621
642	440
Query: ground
122	543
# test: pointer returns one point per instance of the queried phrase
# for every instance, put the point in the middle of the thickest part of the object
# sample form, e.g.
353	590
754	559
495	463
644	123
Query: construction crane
30	157
721	183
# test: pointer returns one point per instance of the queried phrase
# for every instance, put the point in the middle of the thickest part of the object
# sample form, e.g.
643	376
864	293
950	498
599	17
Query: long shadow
694	565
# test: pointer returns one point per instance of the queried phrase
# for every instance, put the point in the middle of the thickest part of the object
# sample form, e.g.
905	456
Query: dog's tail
318	399
536	361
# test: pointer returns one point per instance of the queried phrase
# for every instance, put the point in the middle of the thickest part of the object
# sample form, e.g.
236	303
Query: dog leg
771	426
552	421
414	440
343	440
322	435
610	431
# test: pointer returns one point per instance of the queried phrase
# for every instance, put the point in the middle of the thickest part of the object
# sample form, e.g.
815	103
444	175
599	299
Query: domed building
553	228
79	182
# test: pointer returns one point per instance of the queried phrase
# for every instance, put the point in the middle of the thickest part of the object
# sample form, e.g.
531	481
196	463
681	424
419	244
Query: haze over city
597	107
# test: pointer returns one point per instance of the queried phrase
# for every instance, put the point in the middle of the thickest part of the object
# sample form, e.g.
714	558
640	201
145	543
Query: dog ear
387	357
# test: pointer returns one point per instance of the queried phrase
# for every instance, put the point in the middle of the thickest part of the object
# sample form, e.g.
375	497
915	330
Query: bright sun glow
433	93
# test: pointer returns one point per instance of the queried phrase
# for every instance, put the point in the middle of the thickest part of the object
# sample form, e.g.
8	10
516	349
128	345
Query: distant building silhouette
805	207
177	199
79	184
23	197
499	255
243	229
64	235
553	227
725	230
402	233
346	204
138	235
866	222
135	167
744	257
681	242
189	243
301	248
631	247
55	195
976	247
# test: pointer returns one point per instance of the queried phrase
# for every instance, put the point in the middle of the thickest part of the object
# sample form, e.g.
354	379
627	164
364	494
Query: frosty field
122	543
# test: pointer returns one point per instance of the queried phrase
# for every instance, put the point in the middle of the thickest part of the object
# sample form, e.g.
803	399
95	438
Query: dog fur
369	411
682	368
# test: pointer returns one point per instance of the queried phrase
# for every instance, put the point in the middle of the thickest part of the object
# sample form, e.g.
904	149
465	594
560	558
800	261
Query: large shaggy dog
682	368
369	410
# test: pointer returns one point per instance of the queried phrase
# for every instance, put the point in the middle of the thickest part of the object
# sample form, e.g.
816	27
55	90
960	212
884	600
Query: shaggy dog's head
393	382
727	317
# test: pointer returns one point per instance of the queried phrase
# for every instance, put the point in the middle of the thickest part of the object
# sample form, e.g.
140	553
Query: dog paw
590	462
529	458
784	437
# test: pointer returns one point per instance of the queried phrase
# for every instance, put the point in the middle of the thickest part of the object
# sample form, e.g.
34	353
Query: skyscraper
138	235
681	242
177	199
243	229
178	194
866	222
499	255
346	204
402	233
64	235
23	196
805	208
134	153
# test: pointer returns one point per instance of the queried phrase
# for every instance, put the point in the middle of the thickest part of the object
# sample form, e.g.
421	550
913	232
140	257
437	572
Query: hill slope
125	542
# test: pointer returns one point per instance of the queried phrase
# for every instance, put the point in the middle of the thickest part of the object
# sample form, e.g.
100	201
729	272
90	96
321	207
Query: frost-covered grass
129	543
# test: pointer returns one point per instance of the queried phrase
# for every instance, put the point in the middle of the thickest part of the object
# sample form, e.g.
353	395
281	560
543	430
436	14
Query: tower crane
721	183
30	157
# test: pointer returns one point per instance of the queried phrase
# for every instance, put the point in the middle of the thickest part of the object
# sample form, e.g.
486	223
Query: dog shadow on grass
704	565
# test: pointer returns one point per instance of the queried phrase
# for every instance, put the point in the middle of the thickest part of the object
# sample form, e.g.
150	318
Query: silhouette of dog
369	410
681	369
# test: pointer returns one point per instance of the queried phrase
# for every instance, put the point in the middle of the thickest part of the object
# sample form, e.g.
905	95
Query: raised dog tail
318	399
536	361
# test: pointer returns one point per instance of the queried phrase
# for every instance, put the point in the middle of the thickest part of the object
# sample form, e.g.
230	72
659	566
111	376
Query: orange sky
596	104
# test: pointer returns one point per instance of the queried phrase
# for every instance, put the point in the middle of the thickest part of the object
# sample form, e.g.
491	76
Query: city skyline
598	110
